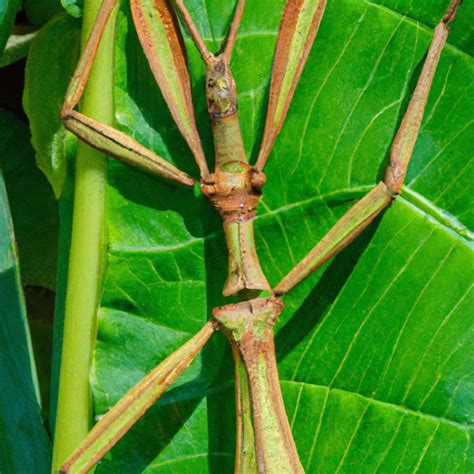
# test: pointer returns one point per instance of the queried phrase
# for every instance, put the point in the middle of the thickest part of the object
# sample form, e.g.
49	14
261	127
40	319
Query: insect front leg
101	136
298	29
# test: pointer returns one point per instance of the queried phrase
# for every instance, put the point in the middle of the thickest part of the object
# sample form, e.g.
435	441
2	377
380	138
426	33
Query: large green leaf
373	348
33	207
51	61
34	212
40	11
24	443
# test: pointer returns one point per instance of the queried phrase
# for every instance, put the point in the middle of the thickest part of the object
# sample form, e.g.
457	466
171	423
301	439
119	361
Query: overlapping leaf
51	61
33	207
24	443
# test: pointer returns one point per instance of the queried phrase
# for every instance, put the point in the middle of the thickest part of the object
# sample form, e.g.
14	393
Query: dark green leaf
49	68
8	10
33	207
35	218
40	11
24	444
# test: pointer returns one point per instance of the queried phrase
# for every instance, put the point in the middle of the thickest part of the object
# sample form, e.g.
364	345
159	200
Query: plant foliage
374	349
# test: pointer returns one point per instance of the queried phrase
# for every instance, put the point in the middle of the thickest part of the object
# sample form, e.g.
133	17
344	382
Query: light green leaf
389	357
73	7
373	348
51	61
24	444
17	48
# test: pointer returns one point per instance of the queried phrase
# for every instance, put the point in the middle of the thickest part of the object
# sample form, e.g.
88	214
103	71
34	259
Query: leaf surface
24	443
374	347
51	61
33	207
40	11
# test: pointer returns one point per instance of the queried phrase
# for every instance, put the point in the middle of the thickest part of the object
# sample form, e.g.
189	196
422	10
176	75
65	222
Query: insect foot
249	327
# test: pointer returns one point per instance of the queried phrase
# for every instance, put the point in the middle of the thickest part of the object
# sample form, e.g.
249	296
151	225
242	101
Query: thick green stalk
74	410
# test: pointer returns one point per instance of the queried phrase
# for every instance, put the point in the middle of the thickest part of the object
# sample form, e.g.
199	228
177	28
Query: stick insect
264	440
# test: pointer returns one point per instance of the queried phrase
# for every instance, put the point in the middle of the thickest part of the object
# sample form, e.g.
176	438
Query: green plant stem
74	412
